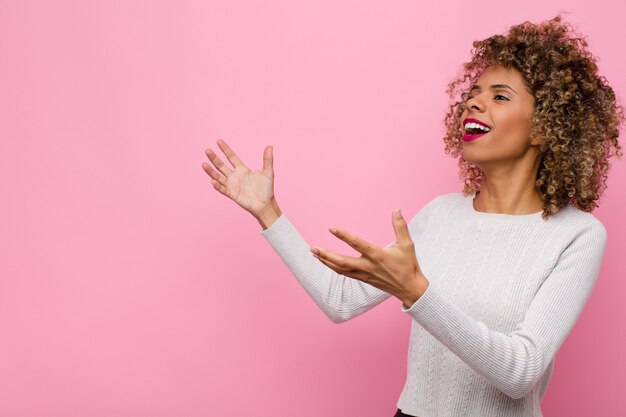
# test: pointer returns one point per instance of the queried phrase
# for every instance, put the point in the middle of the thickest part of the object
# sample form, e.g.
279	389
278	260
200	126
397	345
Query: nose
473	103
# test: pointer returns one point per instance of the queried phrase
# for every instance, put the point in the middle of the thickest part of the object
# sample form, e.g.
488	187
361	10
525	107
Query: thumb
400	226
268	159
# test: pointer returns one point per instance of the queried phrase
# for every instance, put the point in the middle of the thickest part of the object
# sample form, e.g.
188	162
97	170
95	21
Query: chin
472	158
468	154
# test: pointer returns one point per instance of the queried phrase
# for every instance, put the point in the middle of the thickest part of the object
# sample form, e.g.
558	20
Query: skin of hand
251	190
393	269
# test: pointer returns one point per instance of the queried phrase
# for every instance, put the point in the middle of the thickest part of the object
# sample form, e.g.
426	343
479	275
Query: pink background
130	287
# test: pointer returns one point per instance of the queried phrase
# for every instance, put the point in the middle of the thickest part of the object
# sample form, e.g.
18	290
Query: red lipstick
469	137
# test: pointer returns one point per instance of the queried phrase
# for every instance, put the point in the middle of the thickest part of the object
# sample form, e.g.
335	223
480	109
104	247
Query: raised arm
340	298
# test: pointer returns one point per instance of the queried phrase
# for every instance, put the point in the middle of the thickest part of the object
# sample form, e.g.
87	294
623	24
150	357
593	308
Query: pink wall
130	287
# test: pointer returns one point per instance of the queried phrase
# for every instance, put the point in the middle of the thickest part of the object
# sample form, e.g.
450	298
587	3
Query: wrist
415	294
268	216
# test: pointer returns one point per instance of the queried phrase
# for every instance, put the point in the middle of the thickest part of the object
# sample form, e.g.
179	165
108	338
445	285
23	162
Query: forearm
341	298
512	363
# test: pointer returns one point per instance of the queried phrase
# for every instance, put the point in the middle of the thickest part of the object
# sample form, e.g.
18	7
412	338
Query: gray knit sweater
505	291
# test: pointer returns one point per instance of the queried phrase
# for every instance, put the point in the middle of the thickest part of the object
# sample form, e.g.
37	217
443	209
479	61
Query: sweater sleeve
341	298
515	362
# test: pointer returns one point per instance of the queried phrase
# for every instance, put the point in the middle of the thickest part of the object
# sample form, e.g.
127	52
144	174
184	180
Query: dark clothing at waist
399	413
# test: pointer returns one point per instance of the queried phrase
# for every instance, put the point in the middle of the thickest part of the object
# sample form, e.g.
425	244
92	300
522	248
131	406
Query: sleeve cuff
280	226
419	304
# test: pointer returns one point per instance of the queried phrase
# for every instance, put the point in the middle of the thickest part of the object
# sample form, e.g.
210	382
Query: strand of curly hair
576	114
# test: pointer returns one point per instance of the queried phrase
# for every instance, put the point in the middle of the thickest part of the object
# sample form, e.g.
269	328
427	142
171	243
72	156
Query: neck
508	199
509	188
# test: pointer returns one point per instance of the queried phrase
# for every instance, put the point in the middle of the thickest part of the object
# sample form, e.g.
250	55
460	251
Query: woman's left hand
393	269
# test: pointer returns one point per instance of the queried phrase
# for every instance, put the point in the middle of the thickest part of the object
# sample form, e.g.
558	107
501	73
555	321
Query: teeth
476	126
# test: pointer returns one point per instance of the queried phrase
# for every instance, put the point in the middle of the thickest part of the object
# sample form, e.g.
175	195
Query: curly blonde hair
576	114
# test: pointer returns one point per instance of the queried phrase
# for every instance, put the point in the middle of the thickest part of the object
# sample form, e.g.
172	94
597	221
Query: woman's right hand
252	191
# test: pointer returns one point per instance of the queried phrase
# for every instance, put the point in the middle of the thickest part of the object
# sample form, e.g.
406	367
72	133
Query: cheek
516	125
523	127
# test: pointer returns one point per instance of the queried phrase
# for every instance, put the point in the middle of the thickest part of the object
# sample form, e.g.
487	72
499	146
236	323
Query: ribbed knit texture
505	291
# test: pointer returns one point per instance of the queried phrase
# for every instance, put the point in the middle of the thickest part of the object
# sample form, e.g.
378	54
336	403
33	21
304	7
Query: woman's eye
469	97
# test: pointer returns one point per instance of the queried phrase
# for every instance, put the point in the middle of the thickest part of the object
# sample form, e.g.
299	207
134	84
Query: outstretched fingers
360	245
218	163
268	159
218	180
230	154
401	228
214	173
344	265
341	262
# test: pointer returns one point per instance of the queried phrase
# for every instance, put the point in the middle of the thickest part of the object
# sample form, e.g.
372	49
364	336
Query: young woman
496	276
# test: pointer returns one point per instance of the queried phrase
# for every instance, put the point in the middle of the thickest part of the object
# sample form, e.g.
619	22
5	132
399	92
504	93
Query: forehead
497	74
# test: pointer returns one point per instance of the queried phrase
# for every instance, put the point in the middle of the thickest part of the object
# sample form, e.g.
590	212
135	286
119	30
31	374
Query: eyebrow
494	87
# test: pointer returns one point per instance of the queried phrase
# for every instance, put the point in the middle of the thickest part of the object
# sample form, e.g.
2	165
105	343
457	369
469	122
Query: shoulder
441	200
579	231
578	220
447	201
449	198
435	205
582	221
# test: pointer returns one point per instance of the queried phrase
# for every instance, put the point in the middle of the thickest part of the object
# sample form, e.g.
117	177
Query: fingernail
397	214
333	229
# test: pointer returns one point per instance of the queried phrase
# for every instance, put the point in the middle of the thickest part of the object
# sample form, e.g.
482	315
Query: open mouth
474	131
471	136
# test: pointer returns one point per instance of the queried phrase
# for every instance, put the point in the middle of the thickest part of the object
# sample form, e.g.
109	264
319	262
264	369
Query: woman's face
500	100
